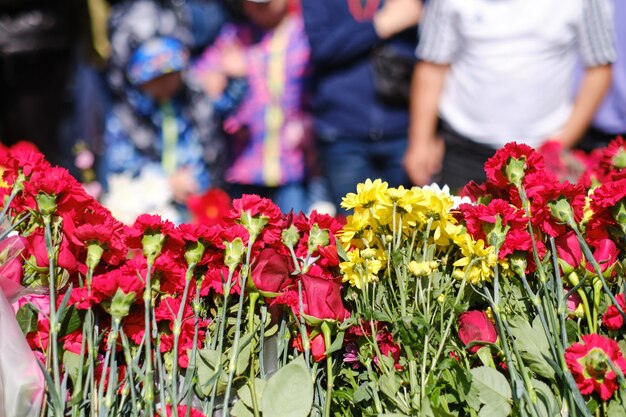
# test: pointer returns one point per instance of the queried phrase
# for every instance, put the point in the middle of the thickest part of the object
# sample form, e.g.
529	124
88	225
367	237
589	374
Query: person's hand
183	185
214	83
421	162
233	61
396	16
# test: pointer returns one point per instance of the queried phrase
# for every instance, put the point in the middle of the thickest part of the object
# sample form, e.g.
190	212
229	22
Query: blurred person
500	71
160	121
37	38
361	120
268	135
610	119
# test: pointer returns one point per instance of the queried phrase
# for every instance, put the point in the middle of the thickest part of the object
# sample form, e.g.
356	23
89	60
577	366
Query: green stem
597	295
191	369
254	296
234	353
176	331
329	368
129	370
149	381
575	281
221	331
54	325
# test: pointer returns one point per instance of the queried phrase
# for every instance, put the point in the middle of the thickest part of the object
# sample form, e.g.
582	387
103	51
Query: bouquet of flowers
507	302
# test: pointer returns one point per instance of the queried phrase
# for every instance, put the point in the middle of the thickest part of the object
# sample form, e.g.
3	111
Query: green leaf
241	410
362	393
389	384
243	359
27	318
244	392
209	371
70	321
547	405
337	343
71	362
289	392
392	415
485	356
616	409
494	392
533	345
340	250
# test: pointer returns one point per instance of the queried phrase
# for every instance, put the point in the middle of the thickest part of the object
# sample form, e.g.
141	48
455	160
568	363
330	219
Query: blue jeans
349	161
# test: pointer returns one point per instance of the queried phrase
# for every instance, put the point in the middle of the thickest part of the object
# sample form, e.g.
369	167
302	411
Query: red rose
588	362
569	252
10	258
271	271
605	253
475	326
65	257
322	298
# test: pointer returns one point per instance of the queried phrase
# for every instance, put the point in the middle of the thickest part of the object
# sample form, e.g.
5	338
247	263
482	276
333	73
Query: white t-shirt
512	62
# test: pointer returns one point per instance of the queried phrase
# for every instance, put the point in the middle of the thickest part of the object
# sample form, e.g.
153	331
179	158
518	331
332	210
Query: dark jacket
345	103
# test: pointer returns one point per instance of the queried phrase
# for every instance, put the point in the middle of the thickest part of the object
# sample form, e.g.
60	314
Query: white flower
446	191
128	196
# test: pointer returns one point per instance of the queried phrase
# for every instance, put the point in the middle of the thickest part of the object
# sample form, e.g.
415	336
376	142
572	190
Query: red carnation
589	364
317	346
496	166
210	208
182	411
23	156
613	319
475	326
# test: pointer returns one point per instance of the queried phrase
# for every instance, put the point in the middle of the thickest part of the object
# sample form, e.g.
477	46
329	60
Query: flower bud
317	237
46	204
290	236
561	211
254	225
233	253
121	303
94	254
619	159
420	269
515	170
152	243
194	252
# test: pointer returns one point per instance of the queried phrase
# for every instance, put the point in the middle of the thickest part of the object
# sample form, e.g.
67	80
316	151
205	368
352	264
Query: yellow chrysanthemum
402	199
422	269
355	226
367	194
362	266
478	262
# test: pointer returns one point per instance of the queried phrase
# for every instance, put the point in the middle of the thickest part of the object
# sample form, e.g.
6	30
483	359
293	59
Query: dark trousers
463	161
595	139
33	100
349	161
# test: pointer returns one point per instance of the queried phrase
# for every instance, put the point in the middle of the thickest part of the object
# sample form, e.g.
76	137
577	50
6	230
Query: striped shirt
513	62
269	131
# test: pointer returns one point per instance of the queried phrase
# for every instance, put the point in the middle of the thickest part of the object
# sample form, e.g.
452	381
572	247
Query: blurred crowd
161	105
